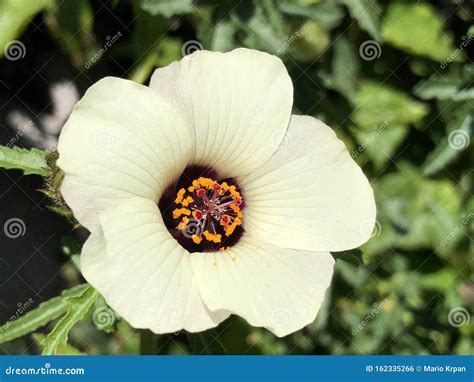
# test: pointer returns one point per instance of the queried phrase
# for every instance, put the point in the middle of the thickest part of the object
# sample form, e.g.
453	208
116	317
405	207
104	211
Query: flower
205	197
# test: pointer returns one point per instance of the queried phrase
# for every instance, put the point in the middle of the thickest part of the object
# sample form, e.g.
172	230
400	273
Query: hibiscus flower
205	197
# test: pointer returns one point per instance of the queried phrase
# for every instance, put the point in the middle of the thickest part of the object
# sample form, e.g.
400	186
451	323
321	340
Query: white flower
158	246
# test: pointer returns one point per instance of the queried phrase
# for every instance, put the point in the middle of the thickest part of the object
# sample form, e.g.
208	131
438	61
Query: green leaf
40	316
379	143
441	280
456	85
327	12
377	103
15	16
311	42
345	69
70	23
78	307
63	349
30	161
447	150
417	29
353	257
167	8
260	34
223	37
417	212
367	14
216	35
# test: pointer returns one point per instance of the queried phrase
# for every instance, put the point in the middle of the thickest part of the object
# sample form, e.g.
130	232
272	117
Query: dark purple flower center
202	213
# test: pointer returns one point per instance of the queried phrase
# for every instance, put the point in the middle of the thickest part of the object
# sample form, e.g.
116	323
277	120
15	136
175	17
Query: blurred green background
395	81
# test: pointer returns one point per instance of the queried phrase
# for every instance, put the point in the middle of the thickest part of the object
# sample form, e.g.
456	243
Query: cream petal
143	273
310	195
237	103
121	141
276	288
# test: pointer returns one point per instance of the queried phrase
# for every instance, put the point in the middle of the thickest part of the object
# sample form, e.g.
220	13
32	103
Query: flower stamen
214	208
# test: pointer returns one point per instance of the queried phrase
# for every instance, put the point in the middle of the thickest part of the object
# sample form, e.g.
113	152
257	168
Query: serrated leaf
367	14
40	316
29	161
78	306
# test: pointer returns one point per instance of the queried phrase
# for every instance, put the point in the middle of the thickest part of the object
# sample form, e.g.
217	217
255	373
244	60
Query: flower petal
238	104
143	273
279	289
311	195
121	140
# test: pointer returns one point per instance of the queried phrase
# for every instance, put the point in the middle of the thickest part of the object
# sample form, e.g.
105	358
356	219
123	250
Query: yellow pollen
197	239
187	201
181	211
182	226
179	196
211	237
